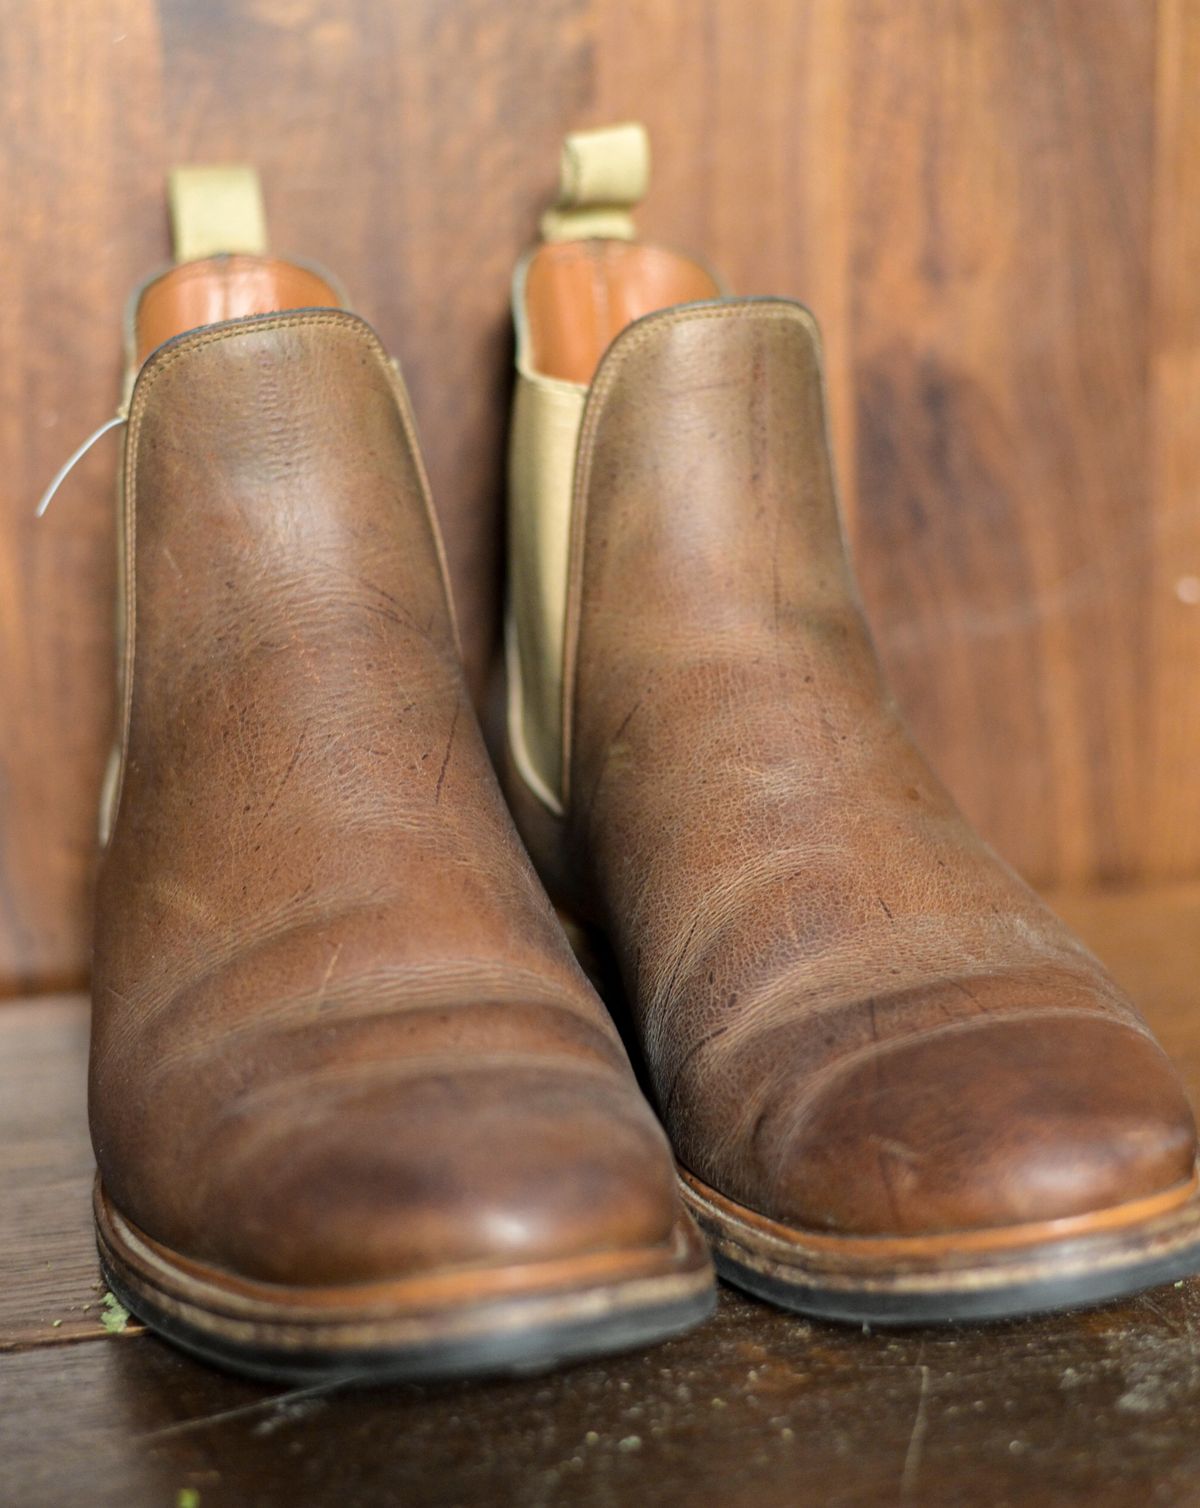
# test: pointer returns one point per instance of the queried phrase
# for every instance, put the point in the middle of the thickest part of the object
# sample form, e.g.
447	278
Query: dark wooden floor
756	1408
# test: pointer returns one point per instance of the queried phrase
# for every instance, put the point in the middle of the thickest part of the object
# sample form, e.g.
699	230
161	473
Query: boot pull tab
603	175
65	470
215	210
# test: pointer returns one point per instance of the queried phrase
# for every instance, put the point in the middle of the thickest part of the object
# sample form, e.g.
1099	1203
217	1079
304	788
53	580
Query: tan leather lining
224	287
545	425
579	295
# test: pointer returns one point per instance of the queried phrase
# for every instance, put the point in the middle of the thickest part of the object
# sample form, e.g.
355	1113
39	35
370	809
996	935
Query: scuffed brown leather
854	1016
338	1034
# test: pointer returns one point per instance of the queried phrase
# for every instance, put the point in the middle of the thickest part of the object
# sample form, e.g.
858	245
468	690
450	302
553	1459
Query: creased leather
339	1035
855	1018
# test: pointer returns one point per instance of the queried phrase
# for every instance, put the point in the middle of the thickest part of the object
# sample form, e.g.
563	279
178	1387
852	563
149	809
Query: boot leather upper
338	1033
855	1017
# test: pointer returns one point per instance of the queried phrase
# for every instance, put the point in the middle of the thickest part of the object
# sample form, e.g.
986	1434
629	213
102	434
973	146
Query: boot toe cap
445	1171
996	1124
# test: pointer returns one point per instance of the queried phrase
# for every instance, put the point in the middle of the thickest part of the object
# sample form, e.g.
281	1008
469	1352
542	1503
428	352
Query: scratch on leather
284	778
437	795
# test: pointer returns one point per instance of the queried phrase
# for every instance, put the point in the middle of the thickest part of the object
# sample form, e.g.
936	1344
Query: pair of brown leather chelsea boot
356	1107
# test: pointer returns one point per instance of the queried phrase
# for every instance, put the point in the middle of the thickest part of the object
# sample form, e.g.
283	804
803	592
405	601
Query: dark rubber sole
505	1322
521	1353
895	1311
1040	1269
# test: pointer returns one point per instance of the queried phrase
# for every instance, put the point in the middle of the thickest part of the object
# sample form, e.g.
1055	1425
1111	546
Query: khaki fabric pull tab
214	210
602	176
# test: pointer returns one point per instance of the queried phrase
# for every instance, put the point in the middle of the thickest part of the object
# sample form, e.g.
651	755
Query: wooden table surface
757	1407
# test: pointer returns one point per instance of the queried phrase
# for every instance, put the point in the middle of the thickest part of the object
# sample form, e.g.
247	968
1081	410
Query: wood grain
1171	726
757	1410
50	1286
992	207
1004	163
78	206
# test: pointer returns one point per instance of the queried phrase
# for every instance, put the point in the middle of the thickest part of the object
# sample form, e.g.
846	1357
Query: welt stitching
240	327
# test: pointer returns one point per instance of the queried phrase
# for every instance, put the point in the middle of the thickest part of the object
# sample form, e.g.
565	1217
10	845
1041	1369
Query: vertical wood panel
79	121
1172	720
991	206
1003	162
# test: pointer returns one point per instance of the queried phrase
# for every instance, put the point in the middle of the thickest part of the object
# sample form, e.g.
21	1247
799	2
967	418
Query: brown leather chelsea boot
897	1087
356	1109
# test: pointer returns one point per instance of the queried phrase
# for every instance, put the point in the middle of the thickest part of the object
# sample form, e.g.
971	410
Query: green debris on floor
114	1317
187	1497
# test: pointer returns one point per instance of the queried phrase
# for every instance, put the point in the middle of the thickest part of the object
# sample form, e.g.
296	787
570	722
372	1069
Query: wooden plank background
993	206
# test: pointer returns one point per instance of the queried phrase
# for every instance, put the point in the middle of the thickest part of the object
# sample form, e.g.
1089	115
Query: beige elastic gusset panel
545	429
216	209
603	174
